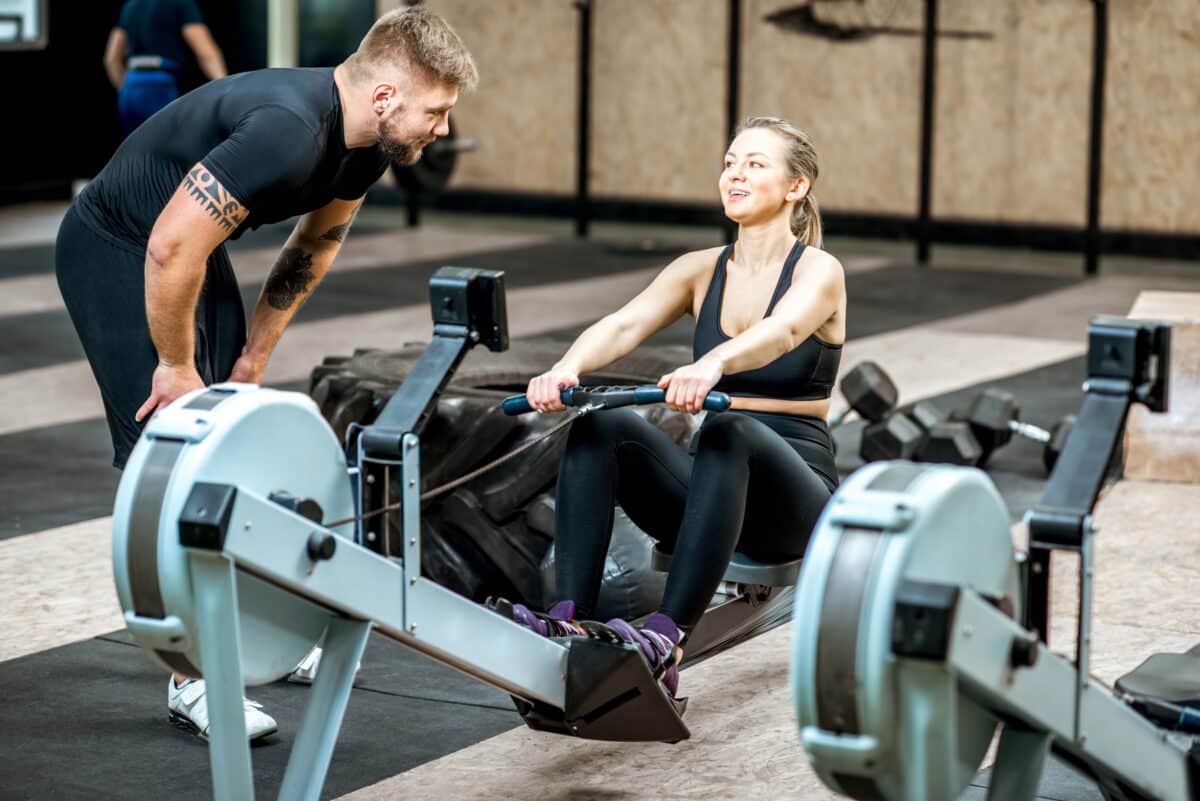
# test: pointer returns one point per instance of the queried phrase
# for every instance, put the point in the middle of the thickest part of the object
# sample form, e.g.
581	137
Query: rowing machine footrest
611	695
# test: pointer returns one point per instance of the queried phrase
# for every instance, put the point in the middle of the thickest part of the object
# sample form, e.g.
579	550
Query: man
140	257
146	51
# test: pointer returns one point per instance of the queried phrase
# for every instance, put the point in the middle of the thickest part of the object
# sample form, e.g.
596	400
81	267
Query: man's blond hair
415	38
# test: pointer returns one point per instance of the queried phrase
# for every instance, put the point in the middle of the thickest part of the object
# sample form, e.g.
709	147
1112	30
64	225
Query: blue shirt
155	27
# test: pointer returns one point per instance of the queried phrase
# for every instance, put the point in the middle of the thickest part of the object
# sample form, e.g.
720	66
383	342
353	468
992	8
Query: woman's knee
723	432
608	427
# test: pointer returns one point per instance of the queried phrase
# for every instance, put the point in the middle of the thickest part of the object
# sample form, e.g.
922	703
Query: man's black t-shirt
155	27
273	138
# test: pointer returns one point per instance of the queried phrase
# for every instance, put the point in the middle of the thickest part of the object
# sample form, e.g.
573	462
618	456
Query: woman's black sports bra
806	372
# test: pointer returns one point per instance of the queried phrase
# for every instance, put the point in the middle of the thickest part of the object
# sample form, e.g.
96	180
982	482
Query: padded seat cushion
1169	677
743	569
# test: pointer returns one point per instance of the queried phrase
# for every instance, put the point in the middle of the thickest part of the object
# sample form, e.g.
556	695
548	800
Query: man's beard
402	152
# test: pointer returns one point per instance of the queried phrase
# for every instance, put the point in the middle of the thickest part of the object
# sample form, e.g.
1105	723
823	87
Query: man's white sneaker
187	708
306	671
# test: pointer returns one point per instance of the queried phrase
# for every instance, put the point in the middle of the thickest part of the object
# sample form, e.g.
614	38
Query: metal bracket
884	511
410	511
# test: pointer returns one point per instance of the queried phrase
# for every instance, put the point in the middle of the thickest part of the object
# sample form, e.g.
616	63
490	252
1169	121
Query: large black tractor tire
490	536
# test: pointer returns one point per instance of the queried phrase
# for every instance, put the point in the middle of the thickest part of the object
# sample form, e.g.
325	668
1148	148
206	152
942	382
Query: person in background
147	50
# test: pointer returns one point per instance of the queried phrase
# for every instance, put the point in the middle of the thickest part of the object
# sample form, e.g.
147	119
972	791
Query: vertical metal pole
410	510
928	98
283	33
733	99
216	610
1091	259
1020	761
582	201
1037	594
413	206
308	765
1083	632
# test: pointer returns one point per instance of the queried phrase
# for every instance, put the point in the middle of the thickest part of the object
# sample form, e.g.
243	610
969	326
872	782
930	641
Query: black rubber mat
402	284
45	338
88	721
389	669
37	339
35	259
54	476
1060	782
26	260
897	297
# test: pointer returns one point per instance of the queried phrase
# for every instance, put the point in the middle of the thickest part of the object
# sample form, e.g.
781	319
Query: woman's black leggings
756	484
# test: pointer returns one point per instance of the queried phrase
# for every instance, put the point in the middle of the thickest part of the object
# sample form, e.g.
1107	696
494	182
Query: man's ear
383	97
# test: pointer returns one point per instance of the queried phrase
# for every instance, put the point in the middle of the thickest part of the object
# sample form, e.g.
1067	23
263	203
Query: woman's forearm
598	346
757	346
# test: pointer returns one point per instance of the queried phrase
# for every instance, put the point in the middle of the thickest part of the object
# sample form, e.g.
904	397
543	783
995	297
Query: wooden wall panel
1152	117
858	99
658	92
523	114
1012	111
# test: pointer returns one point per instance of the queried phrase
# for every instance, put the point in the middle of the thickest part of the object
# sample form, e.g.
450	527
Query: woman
770	319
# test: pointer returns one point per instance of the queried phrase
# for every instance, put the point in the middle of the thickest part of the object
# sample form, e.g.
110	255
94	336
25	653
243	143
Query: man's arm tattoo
338	232
205	189
290	278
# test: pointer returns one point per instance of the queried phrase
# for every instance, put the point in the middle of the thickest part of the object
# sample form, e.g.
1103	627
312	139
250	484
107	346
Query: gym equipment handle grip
613	397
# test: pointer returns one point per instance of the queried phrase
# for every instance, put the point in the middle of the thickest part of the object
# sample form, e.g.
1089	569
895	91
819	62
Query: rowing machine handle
613	397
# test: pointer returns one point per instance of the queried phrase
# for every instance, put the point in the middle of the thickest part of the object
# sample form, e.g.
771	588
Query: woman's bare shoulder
819	263
697	261
818	256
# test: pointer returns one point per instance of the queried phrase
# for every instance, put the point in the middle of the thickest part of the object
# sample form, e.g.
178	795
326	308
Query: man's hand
168	383
248	369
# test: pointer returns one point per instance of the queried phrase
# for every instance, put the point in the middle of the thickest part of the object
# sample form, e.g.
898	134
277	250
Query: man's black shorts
102	280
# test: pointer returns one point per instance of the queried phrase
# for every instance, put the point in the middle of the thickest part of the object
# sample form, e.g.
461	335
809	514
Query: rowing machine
243	534
914	640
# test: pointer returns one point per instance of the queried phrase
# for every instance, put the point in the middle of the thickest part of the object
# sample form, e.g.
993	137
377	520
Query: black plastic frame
1128	362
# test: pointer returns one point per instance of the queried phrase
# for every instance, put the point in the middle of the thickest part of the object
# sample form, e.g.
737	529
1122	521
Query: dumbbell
994	417
941	439
951	442
901	434
870	392
923	432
